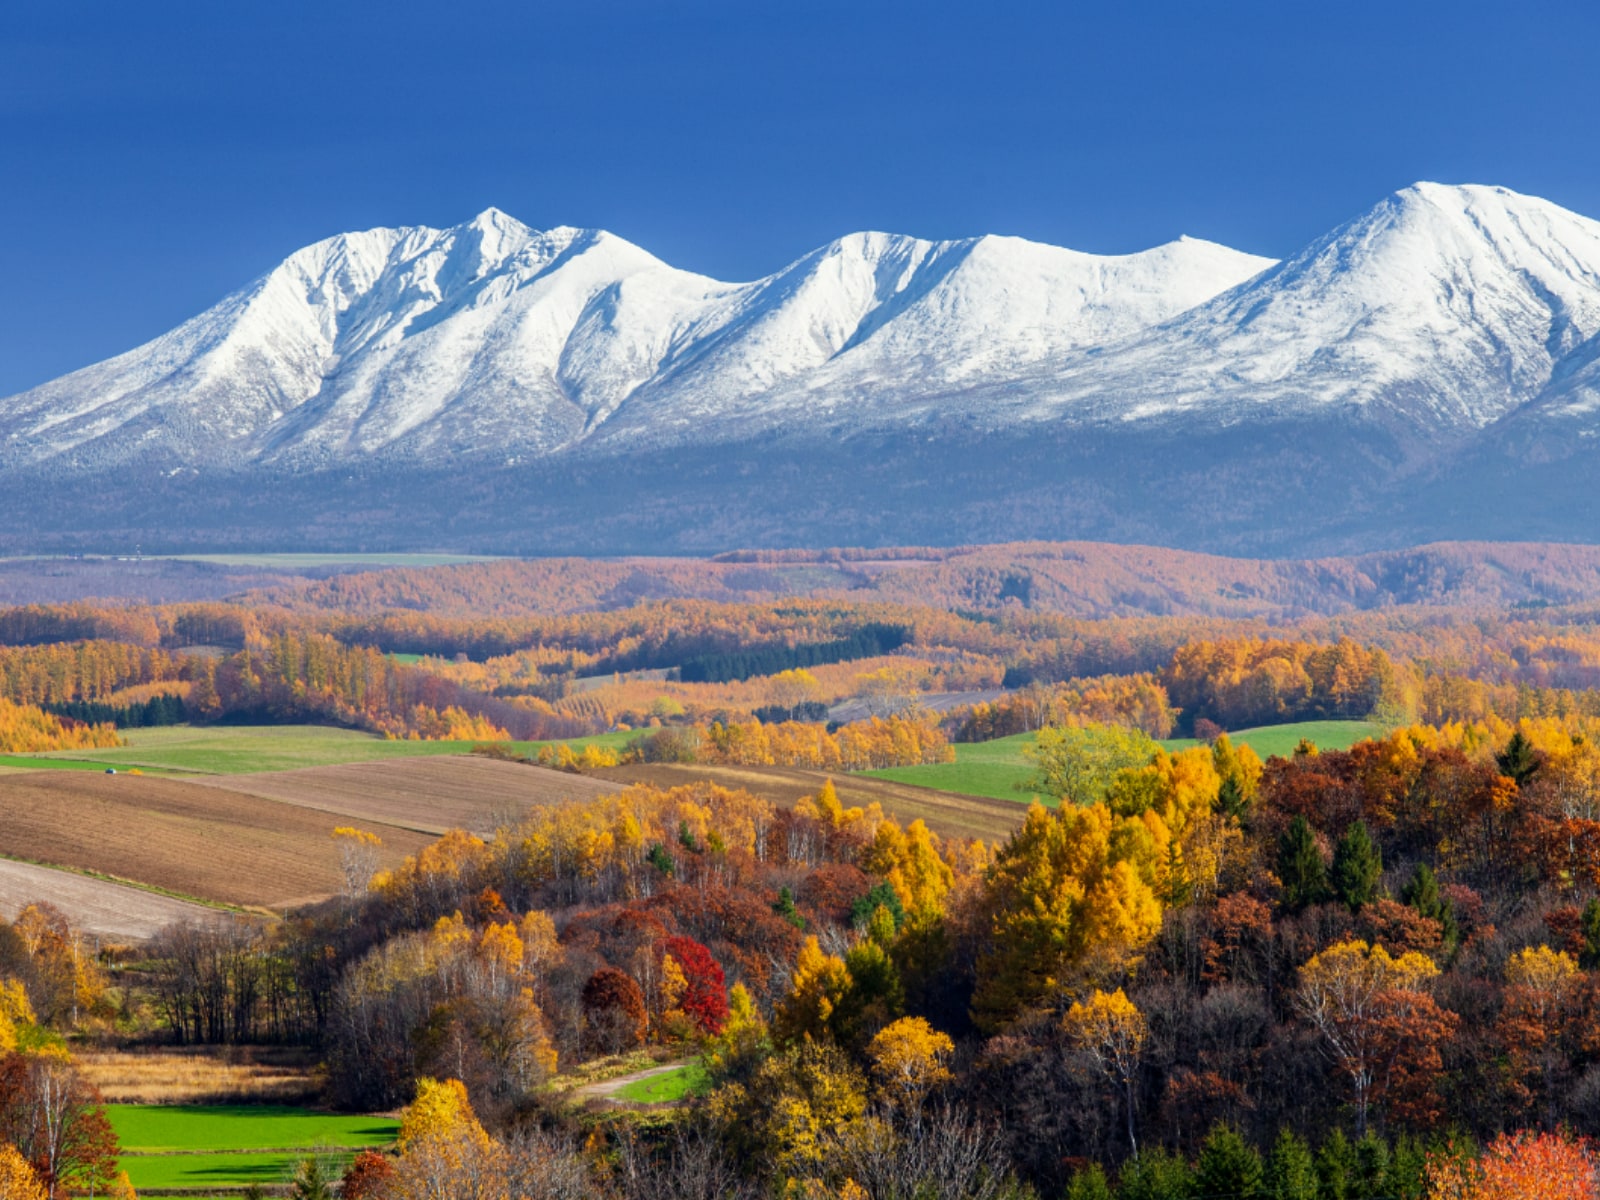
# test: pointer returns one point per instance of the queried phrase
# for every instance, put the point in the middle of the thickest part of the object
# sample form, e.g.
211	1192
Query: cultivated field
99	908
955	815
185	1148
252	749
179	836
430	795
998	768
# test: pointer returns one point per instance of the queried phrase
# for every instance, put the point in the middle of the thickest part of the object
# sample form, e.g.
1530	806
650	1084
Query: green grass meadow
232	1146
245	749
678	1084
999	770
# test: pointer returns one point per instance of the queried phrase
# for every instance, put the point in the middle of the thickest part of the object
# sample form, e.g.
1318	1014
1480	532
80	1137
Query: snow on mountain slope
1440	311
494	338
1449	306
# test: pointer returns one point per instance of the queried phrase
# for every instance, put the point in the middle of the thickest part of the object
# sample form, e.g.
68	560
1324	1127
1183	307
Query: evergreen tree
1357	867
1422	893
1228	1165
1519	760
1372	1166
1291	1170
785	908
1089	1184
1231	802
1591	935
1305	880
1154	1175
1337	1168
1408	1168
311	1182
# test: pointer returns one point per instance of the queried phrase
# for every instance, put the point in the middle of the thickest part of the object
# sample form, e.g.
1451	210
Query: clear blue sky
154	156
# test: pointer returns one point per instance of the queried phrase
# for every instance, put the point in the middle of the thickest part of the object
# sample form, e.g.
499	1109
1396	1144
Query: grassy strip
667	1087
251	749
998	769
155	1129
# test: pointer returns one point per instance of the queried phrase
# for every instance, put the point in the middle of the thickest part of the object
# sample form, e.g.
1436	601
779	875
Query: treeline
165	709
867	642
1241	683
867	745
1134	701
25	729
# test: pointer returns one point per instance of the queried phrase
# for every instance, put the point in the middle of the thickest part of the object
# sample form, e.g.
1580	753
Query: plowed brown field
96	906
945	812
180	836
430	795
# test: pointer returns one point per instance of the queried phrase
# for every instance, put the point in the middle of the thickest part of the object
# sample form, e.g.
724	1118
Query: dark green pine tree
1372	1166
1228	1165
785	908
1230	800
1337	1168
1519	760
1089	1184
1357	867
1422	893
1291	1170
1300	867
1590	924
1157	1174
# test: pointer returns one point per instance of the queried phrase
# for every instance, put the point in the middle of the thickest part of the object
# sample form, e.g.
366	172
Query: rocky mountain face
1429	369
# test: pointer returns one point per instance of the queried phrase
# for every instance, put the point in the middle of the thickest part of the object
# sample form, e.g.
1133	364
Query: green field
233	1146
243	749
998	768
685	1081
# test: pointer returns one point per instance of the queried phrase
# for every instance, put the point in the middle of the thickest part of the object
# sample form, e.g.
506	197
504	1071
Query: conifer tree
1228	1165
1291	1172
1300	867
1519	760
1357	867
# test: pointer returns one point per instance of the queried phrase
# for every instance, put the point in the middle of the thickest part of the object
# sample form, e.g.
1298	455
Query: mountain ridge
1428	370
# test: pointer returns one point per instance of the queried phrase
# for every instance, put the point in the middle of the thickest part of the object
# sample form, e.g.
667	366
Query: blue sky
155	156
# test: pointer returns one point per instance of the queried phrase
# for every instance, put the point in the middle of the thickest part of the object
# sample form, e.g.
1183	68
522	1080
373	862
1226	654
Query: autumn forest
1180	966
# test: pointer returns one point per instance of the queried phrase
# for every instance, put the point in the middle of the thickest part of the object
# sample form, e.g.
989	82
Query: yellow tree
909	1059
441	1110
820	982
17	1179
1072	891
1111	1030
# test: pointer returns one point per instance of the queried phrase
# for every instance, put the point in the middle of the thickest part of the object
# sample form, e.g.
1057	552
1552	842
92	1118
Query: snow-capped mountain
926	391
494	337
1448	307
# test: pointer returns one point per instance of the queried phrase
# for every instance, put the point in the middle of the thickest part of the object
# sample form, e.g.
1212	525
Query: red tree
367	1176
706	998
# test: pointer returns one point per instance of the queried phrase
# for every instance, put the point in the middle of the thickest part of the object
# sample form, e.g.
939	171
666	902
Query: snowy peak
1442	309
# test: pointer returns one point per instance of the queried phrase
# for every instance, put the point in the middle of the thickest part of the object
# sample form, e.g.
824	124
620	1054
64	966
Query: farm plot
181	837
229	1147
100	908
430	795
945	813
999	769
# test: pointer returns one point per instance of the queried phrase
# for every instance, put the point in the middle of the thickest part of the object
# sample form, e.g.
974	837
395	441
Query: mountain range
1430	369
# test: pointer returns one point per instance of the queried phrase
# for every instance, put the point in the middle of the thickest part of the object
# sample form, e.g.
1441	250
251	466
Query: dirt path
607	1089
